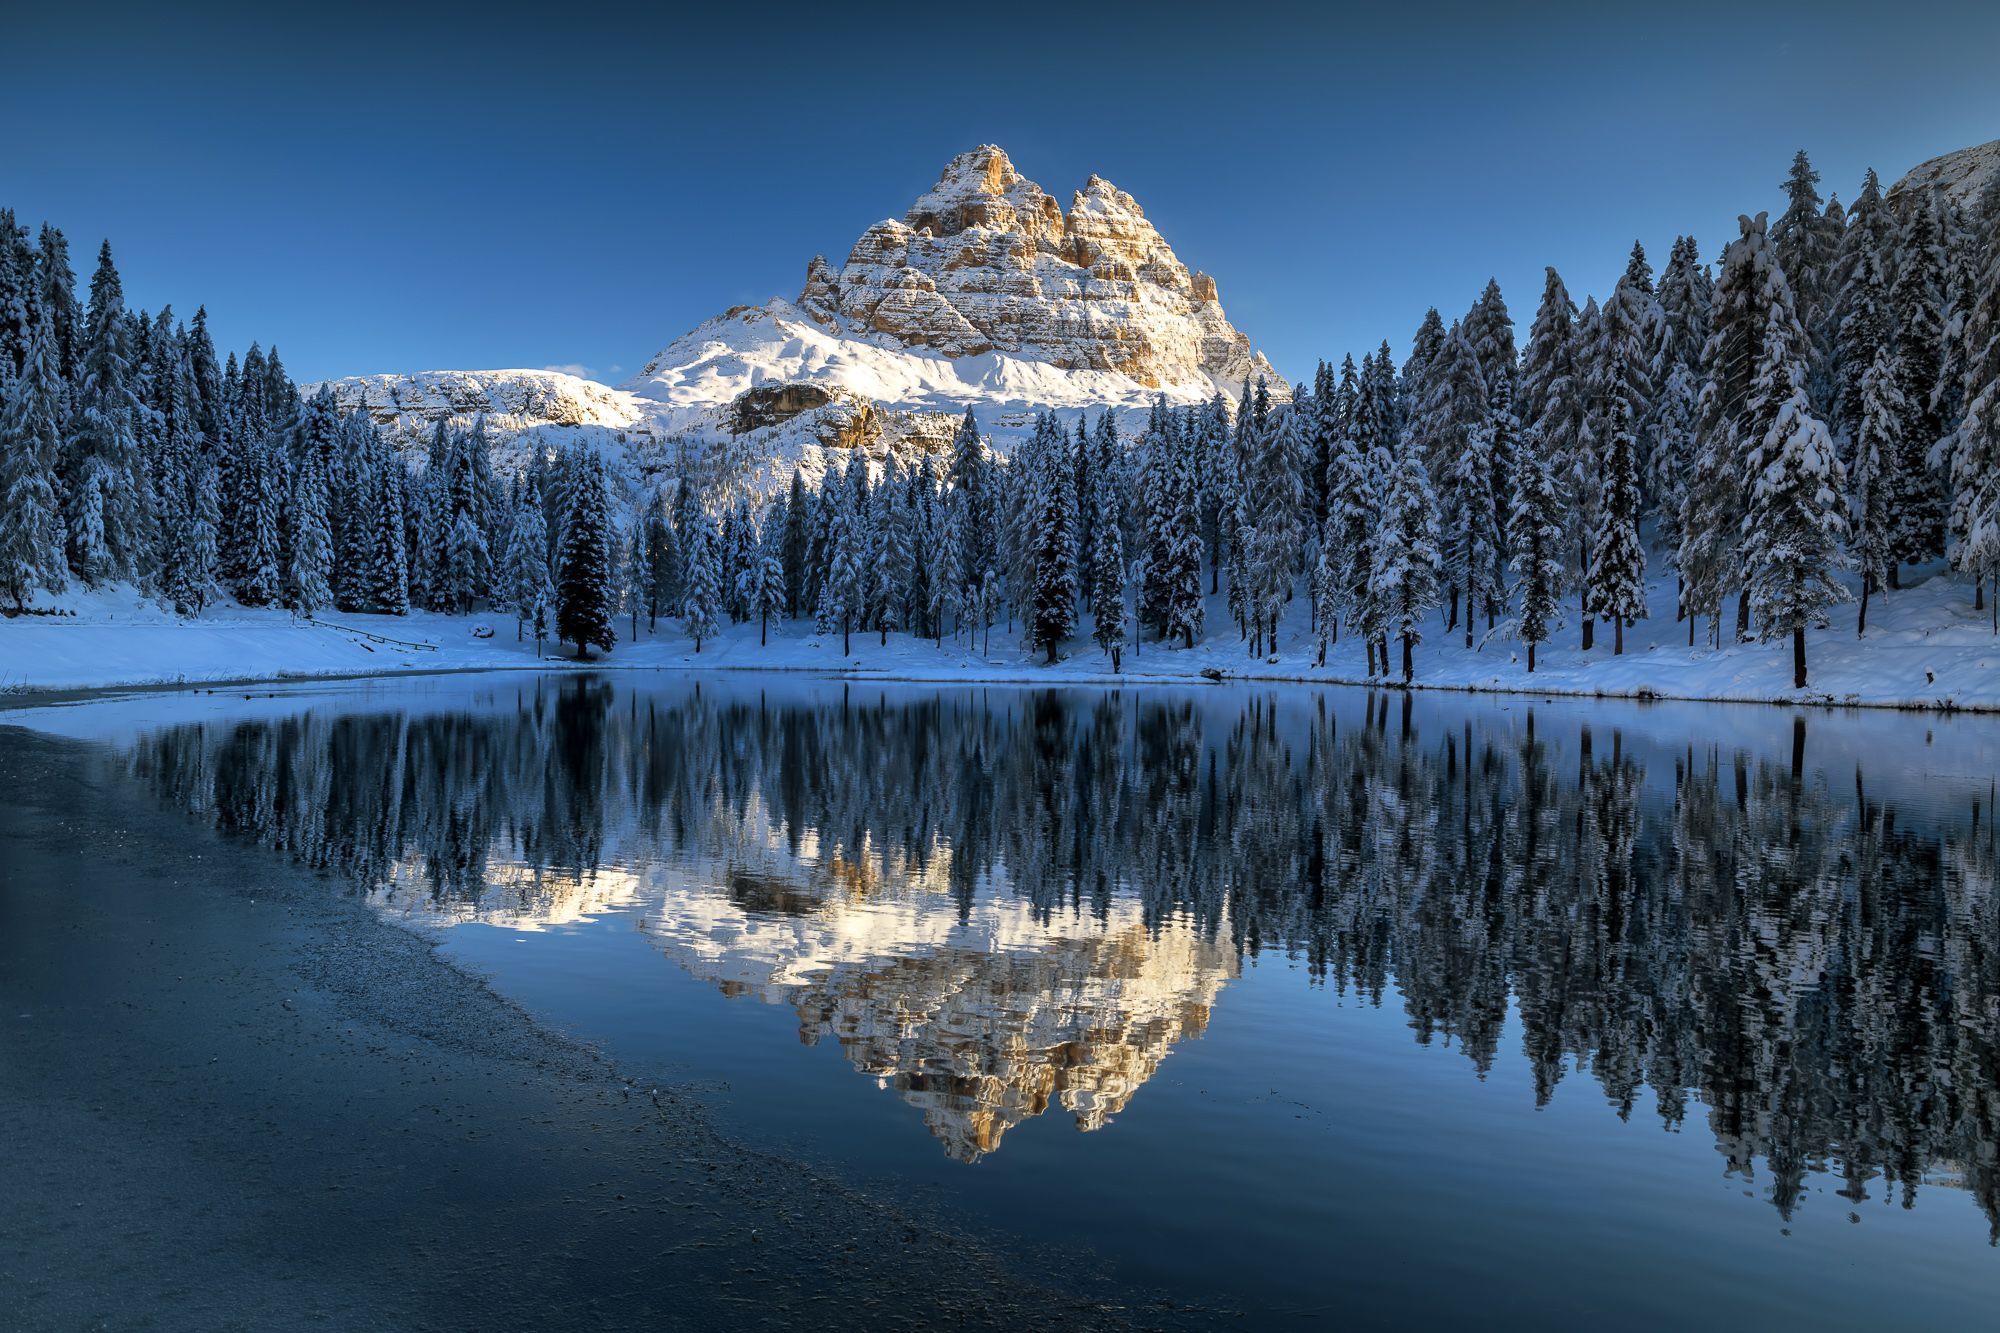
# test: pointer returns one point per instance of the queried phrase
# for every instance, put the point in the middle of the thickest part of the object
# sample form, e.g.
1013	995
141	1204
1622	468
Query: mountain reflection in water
999	903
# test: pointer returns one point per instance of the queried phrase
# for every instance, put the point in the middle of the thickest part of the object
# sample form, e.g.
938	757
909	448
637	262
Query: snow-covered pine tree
663	556
894	549
1916	301
1878	438
1179	578
636	590
1326	595
1490	329
972	477
739	543
950	597
309	566
1218	493
1107	564
1050	537
846	581
583	568
797	542
701	593
56	305
388	575
1808	251
1862	318
1618	560
104	439
767	586
527	560
1535	537
1794	521
1406	554
920	497
1971	456
1276	536
1458	439
31	527
1350	528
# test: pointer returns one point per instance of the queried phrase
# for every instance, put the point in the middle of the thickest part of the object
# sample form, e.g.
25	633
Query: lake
1316	1005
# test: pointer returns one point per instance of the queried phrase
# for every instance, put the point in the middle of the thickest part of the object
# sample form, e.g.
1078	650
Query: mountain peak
985	261
1960	175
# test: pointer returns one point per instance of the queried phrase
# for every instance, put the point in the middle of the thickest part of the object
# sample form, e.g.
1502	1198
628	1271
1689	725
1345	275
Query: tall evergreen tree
1535	536
1794	521
31	528
1878	439
529	589
1406	554
583	571
701	604
309	572
1050	533
1107	565
1916	302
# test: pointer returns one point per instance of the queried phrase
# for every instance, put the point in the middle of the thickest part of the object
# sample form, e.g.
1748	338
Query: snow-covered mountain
985	294
1962	175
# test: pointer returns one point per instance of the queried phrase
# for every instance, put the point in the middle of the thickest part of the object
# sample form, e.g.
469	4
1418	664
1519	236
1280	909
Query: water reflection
998	906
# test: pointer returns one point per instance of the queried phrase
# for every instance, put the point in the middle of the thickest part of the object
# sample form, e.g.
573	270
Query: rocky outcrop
1962	176
986	261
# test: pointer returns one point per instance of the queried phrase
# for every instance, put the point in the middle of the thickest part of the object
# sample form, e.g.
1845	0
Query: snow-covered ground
1926	647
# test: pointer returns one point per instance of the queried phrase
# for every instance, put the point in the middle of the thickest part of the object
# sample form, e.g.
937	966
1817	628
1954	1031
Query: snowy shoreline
1927	650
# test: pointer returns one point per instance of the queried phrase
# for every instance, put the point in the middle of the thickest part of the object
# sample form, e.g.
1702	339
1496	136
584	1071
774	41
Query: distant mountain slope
1961	175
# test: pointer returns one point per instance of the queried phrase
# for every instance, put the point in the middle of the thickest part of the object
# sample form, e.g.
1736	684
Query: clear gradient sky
410	188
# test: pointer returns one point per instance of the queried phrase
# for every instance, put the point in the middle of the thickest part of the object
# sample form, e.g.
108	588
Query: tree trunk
1409	668
1691	620
1452	621
1861	624
1589	632
1798	659
517	629
1895	576
1743	615
846	637
1978	594
1531	657
764	628
1680	599
1052	652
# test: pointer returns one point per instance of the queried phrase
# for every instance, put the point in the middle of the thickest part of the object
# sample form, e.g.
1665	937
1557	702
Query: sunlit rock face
986	261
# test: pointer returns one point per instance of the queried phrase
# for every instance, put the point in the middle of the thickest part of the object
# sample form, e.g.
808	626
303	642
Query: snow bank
1926	647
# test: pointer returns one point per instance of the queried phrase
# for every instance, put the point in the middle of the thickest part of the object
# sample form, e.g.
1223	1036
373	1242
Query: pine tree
797	533
527	559
1862	318
1807	252
1277	515
1406	554
1348	544
1916	301
583	573
1878	439
1794	522
921	499
388	575
1107	565
104	441
31	528
893	550
767	590
1050	531
1618	560
1971	455
663	557
309	574
1535	537
1326	595
701	605
637	588
1179	576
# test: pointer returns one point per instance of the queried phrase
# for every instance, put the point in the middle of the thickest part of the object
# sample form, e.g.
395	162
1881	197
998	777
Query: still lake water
1329	1007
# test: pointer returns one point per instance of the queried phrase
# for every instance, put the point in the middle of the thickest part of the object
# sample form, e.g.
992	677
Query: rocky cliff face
986	261
1962	175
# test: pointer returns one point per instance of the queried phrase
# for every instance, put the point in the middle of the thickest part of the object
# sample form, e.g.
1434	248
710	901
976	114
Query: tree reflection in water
999	903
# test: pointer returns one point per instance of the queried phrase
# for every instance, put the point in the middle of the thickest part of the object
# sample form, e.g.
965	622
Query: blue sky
409	188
